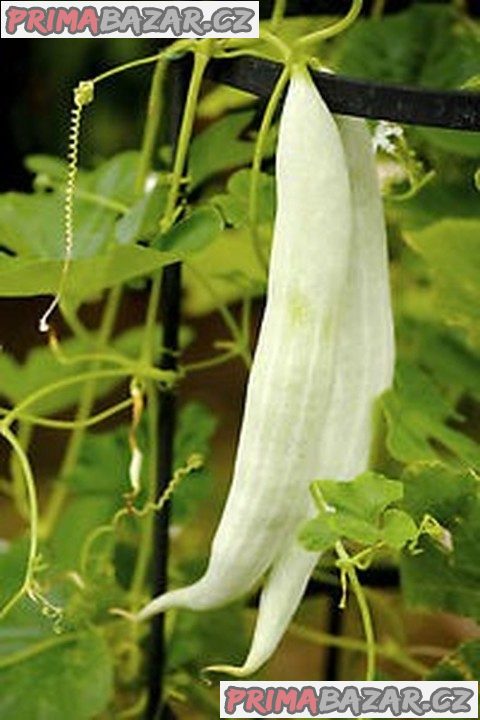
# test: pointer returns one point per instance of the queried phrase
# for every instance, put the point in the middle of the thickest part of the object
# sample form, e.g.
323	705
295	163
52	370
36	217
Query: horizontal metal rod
452	109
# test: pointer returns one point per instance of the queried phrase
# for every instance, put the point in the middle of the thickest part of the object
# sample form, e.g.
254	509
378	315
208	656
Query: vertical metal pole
170	313
335	618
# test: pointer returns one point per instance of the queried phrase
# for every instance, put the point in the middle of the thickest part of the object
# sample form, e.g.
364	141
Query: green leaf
114	179
87	277
234	204
194	233
97	486
222	147
196	427
398	528
318	535
444	576
444	353
142	221
200	639
73	677
436	200
423	45
365	497
353	510
13	560
48	167
417	414
230	257
460	142
32	225
437	490
451	249
24	626
463	664
100	480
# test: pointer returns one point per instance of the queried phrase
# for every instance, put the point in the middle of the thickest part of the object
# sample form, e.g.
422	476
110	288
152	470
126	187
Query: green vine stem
228	319
378	8
278	14
348	573
389	651
202	53
258	154
24	436
87	401
171	52
347	568
33	518
152	124
167	377
333	29
193	463
144	549
54	424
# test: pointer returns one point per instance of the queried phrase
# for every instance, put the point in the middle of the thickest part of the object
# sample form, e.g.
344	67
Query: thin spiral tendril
83	95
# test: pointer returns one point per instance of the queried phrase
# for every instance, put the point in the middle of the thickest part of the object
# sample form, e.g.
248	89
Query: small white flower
384	136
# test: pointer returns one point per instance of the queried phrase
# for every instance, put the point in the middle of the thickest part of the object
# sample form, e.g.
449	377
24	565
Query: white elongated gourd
325	353
292	374
364	362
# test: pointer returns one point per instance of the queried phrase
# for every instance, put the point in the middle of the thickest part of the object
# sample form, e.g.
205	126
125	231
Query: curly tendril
83	95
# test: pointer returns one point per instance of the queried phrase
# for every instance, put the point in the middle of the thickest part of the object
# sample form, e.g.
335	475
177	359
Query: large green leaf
451	249
32	231
200	639
113	179
232	269
87	277
70	678
423	45
222	147
443	352
436	200
234	203
359	511
194	233
444	576
142	221
32	225
97	485
417	416
437	490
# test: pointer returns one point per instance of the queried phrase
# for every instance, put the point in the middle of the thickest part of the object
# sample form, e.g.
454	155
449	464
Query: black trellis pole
170	313
455	109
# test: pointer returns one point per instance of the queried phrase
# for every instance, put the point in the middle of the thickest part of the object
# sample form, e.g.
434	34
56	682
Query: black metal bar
381	578
420	106
335	623
170	312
